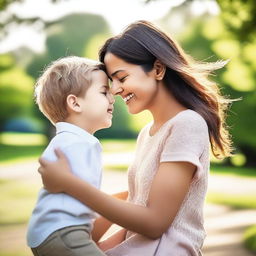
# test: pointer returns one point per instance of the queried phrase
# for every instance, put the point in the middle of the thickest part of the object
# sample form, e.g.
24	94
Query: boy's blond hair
65	76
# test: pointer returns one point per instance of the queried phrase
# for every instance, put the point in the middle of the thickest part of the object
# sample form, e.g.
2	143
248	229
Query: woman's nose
116	89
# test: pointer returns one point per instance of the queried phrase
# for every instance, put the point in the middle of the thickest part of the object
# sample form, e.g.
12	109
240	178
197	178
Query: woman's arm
101	224
168	190
113	240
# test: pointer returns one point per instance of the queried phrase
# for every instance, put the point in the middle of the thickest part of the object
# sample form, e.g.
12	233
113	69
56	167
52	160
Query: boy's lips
110	110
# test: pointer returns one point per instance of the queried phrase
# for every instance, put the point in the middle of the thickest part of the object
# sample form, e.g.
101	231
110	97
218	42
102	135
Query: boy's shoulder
73	140
69	133
70	144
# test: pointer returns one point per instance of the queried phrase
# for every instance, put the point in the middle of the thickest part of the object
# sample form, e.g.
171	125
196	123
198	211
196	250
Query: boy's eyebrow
105	86
115	73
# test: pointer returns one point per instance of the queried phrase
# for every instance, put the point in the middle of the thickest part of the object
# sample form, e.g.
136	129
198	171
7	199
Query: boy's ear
160	69
73	103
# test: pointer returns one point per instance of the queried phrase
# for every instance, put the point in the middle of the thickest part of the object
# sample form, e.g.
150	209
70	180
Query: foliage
210	40
68	36
250	238
15	90
239	18
5	3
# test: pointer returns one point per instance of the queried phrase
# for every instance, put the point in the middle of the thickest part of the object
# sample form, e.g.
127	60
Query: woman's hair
142	44
68	75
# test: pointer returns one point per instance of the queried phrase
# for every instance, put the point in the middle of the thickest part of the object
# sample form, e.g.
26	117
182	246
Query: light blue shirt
55	211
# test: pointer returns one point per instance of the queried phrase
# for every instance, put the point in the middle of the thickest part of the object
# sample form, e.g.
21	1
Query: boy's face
97	103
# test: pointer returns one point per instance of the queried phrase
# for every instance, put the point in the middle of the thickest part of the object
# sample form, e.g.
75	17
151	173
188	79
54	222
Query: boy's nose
111	98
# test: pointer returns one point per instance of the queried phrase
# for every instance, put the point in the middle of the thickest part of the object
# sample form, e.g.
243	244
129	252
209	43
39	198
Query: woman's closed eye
122	79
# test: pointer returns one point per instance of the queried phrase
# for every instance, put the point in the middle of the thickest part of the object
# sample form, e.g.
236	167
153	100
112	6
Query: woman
168	178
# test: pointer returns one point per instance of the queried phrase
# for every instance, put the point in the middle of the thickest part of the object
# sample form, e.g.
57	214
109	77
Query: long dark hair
142	43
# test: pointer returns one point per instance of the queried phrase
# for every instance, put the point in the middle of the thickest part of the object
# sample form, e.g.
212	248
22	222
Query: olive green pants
69	241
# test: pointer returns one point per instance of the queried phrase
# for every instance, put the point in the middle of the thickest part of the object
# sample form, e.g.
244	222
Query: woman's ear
160	69
73	103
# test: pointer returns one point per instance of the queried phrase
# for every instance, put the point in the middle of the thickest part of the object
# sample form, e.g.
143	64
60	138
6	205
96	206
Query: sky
118	13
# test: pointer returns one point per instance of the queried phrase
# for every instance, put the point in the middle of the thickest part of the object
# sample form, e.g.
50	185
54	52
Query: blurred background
34	32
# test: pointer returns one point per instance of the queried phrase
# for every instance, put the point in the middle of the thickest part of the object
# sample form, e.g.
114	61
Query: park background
33	33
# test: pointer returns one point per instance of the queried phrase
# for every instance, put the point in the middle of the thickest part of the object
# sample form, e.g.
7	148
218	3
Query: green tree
15	90
239	18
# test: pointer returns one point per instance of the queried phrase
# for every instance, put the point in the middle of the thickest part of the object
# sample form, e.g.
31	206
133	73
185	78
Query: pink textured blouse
182	138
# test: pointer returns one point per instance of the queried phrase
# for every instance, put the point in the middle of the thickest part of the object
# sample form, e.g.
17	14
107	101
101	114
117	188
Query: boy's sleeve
85	161
186	142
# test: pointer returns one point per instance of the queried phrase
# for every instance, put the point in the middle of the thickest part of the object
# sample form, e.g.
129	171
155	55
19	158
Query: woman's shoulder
189	118
144	130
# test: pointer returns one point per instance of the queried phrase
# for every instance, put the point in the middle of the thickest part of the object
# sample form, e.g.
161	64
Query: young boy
73	93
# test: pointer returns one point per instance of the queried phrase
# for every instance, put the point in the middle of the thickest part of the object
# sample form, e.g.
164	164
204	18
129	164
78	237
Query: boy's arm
101	224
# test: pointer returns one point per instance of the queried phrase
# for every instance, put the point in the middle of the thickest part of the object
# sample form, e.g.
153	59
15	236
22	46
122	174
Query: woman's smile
128	97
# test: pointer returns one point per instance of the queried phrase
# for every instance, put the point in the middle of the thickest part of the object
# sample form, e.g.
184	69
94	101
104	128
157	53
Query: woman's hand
112	241
55	175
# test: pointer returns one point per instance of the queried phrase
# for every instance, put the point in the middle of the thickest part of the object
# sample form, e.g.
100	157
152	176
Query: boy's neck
83	126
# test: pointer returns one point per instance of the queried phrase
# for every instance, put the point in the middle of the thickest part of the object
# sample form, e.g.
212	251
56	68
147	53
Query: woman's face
132	83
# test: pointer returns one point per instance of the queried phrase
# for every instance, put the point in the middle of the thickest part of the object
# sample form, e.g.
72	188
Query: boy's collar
68	127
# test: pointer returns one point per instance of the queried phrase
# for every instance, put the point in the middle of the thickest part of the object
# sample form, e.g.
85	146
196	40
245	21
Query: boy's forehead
100	78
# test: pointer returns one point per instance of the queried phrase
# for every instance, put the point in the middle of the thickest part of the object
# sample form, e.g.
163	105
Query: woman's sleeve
186	142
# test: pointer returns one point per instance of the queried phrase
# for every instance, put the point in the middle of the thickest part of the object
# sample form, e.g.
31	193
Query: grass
234	201
116	167
218	169
20	253
18	147
17	201
15	138
250	238
10	154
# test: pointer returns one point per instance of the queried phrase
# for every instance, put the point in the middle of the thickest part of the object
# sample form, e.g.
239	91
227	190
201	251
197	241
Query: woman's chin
134	111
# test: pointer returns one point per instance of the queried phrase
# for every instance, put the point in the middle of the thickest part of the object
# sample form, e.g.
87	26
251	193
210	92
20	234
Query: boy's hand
55	175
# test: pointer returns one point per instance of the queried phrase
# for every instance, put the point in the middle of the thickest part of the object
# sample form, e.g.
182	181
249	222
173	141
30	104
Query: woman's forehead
115	64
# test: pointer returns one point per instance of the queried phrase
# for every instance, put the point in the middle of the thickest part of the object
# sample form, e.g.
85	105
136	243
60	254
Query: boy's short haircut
65	76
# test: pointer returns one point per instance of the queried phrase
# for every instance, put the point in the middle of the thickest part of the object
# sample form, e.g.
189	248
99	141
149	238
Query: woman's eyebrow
116	72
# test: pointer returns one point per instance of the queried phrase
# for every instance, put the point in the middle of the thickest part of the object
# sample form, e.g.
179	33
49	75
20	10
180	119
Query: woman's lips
128	97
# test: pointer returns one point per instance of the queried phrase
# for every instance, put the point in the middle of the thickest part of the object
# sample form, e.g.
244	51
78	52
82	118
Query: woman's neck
165	107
